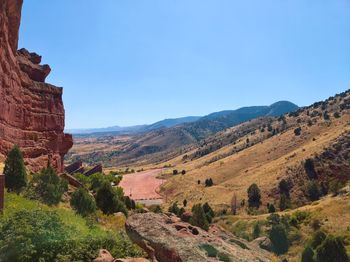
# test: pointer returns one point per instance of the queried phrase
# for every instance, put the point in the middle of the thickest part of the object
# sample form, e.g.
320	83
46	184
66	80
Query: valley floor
142	186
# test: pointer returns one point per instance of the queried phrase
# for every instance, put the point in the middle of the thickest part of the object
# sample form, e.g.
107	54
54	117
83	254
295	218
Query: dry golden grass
264	163
332	212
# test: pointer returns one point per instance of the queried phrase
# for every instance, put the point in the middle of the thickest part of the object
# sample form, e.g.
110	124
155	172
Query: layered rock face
31	111
166	238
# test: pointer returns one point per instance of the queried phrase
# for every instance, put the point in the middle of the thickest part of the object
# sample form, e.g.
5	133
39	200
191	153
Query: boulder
165	239
104	256
264	243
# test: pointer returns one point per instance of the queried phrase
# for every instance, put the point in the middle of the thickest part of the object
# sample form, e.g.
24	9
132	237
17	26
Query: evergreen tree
174	209
209	213
48	186
309	167
108	201
284	187
254	196
278	237
284	202
14	171
332	249
307	255
82	202
313	191
256	230
271	208
198	217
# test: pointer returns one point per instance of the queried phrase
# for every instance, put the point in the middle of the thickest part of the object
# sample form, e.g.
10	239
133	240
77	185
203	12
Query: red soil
142	185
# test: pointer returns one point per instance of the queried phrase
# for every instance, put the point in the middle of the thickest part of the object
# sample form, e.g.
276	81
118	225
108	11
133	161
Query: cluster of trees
175	172
208	182
324	248
297	131
45	186
47	237
202	216
49	188
42	235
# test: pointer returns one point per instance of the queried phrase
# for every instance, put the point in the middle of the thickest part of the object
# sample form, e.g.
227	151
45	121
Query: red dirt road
142	185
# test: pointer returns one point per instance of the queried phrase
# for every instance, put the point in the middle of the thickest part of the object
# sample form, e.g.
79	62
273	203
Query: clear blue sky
126	62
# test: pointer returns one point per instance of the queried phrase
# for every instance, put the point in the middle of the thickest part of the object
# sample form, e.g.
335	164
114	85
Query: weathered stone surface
104	256
132	260
32	113
166	240
264	243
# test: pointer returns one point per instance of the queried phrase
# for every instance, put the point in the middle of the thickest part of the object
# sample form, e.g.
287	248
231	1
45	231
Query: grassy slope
333	212
14	203
264	163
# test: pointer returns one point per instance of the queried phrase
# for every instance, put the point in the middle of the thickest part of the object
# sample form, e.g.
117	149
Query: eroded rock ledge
166	238
31	111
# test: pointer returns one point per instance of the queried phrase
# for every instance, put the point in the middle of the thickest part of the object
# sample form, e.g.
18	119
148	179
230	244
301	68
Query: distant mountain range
197	126
115	130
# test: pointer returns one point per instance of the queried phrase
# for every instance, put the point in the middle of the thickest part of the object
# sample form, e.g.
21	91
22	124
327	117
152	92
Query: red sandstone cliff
31	111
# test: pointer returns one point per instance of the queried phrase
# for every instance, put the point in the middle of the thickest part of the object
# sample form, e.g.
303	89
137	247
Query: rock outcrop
31	111
105	256
166	238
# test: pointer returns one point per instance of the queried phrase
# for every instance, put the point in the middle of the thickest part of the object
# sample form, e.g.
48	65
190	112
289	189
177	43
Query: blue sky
126	62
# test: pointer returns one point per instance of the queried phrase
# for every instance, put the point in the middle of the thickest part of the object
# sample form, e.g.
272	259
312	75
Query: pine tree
198	217
14	171
82	202
254	196
108	201
49	187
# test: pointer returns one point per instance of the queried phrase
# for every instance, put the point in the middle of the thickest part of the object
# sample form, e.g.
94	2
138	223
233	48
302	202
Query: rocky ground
165	238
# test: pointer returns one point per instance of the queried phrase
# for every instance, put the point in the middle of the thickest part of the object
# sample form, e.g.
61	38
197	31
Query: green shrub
156	209
199	218
41	235
336	115
309	167
209	213
254	196
82	202
284	202
278	237
256	230
271	208
335	186
332	249
209	182
174	208
307	255
47	187
317	238
224	257
109	200
210	250
284	187
313	191
297	131
14	171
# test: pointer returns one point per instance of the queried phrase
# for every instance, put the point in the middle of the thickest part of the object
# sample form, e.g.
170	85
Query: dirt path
142	186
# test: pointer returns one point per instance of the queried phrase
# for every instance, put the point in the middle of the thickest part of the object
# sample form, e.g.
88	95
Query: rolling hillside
264	151
166	139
